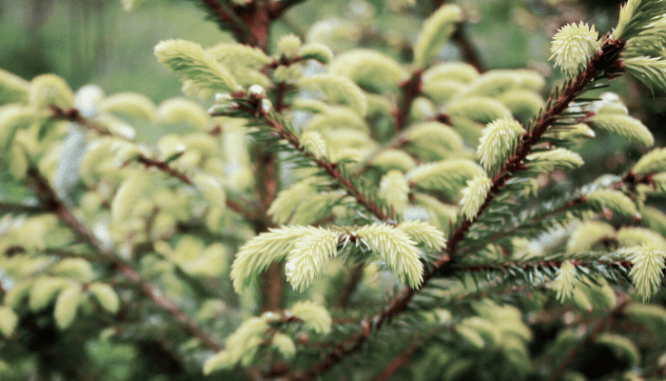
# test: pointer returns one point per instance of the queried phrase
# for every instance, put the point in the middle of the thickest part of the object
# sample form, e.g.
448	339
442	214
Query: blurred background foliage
95	41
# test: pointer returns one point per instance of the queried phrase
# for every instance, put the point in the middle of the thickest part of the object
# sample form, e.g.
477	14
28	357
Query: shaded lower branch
53	204
589	338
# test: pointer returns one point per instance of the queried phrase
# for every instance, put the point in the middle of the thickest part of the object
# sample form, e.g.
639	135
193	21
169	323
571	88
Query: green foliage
428	214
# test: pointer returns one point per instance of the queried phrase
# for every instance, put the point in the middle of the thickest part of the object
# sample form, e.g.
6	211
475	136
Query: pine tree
337	216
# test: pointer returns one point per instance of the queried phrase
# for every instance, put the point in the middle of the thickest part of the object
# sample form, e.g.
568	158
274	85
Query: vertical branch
468	50
411	88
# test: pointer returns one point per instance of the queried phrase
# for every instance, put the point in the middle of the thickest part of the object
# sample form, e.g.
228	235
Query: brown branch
589	338
252	106
160	298
227	17
411	88
234	201
605	61
468	50
398	362
276	9
73	115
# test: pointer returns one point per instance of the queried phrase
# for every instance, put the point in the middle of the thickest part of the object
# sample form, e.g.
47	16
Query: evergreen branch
411	88
233	201
468	50
227	18
331	168
398	362
397	305
72	115
53	204
604	63
590	336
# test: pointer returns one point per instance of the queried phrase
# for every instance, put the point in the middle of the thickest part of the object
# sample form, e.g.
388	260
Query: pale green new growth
638	17
447	175
234	56
474	195
626	126
573	46
13	88
522	101
436	31
288	199
314	315
470	336
66	306
652	162
308	256
259	252
545	161
587	235
241	346
425	233
648	269
488	331
614	200
317	52
288	45
394	159
106	296
460	72
190	62
284	345
337	89
211	189
394	189
313	143
481	109
635	236
434	140
74	268
13	117
49	89
44	290
132	189
498	142
397	249
565	281
8	321
370	69
132	104
649	70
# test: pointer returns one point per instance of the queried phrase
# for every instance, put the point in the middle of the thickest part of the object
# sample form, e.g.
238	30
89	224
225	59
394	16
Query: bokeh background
96	41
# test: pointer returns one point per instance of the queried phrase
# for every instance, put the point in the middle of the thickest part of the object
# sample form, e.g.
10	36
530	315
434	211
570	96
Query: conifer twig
233	201
411	88
606	59
398	362
227	16
53	204
331	168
